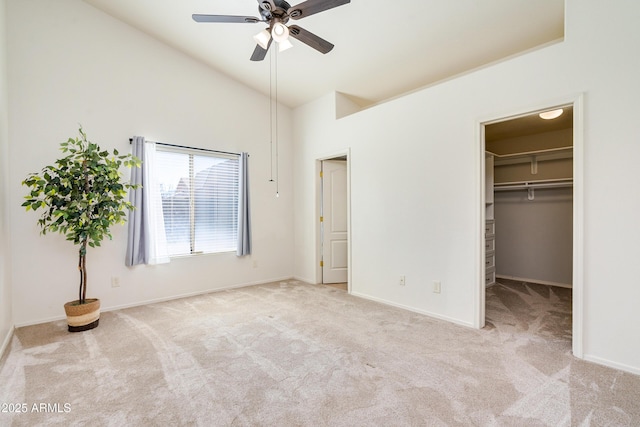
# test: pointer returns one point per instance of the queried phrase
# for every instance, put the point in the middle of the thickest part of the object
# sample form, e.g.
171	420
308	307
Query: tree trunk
83	244
82	267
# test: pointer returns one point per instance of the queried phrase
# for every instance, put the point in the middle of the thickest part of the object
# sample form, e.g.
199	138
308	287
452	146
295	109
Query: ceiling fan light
262	38
552	114
284	45
279	32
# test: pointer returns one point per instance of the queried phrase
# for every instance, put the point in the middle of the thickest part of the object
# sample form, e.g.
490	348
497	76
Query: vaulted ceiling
382	48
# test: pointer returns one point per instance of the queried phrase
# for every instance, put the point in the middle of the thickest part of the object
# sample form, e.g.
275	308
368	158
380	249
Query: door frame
346	153
577	101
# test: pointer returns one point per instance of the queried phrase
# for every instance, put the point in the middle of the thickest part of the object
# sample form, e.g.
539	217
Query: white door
334	221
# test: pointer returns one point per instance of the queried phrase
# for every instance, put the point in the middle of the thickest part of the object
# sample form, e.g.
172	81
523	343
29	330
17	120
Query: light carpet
294	354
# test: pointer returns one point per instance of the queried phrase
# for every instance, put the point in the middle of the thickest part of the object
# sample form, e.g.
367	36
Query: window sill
200	254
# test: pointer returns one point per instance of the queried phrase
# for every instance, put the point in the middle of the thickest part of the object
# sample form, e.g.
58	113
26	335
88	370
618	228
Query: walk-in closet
529	200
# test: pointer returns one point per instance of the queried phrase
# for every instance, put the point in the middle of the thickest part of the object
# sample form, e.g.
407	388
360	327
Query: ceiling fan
277	13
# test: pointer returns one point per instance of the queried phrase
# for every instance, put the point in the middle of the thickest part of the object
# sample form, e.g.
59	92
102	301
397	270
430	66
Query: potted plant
82	195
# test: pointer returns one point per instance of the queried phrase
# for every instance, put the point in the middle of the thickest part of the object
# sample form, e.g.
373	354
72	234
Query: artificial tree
82	195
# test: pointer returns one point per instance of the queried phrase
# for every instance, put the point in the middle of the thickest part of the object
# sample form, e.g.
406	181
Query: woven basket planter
82	317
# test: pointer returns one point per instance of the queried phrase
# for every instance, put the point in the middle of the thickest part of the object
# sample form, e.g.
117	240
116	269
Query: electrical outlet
403	281
255	263
436	287
115	282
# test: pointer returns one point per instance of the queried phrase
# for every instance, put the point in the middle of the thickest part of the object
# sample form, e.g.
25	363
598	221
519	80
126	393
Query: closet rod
191	148
528	185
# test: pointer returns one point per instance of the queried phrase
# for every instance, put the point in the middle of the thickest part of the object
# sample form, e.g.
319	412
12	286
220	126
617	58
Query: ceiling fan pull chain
271	115
277	137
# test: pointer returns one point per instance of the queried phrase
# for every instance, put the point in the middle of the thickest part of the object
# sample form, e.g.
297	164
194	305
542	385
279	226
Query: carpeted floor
292	354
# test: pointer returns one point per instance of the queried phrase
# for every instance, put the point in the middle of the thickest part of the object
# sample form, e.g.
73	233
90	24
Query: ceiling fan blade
311	7
310	39
225	18
259	53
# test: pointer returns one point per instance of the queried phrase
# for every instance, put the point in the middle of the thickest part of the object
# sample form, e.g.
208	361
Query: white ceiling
382	48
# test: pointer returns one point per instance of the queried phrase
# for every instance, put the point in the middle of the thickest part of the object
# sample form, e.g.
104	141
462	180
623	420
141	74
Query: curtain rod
191	148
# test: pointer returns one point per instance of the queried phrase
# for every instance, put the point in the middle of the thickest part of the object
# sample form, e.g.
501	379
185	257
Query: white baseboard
540	282
413	309
302	279
6	341
44	320
192	294
605	362
158	300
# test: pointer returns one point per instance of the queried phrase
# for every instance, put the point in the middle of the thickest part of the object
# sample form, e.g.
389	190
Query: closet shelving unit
490	226
533	157
530	185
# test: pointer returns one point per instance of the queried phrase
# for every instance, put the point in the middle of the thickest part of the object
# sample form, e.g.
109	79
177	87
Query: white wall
415	167
6	315
69	63
534	237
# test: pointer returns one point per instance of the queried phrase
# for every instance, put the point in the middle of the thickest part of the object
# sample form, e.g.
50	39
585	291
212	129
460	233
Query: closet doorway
530	219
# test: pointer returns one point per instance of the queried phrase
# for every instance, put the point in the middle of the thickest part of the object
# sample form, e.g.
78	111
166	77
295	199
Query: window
199	193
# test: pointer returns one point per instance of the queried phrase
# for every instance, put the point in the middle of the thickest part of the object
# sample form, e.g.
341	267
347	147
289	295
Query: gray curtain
138	242
244	217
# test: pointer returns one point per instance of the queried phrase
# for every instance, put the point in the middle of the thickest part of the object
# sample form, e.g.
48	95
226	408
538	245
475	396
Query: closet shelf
539	155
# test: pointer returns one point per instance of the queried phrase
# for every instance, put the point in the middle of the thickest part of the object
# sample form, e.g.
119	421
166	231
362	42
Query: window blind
199	192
